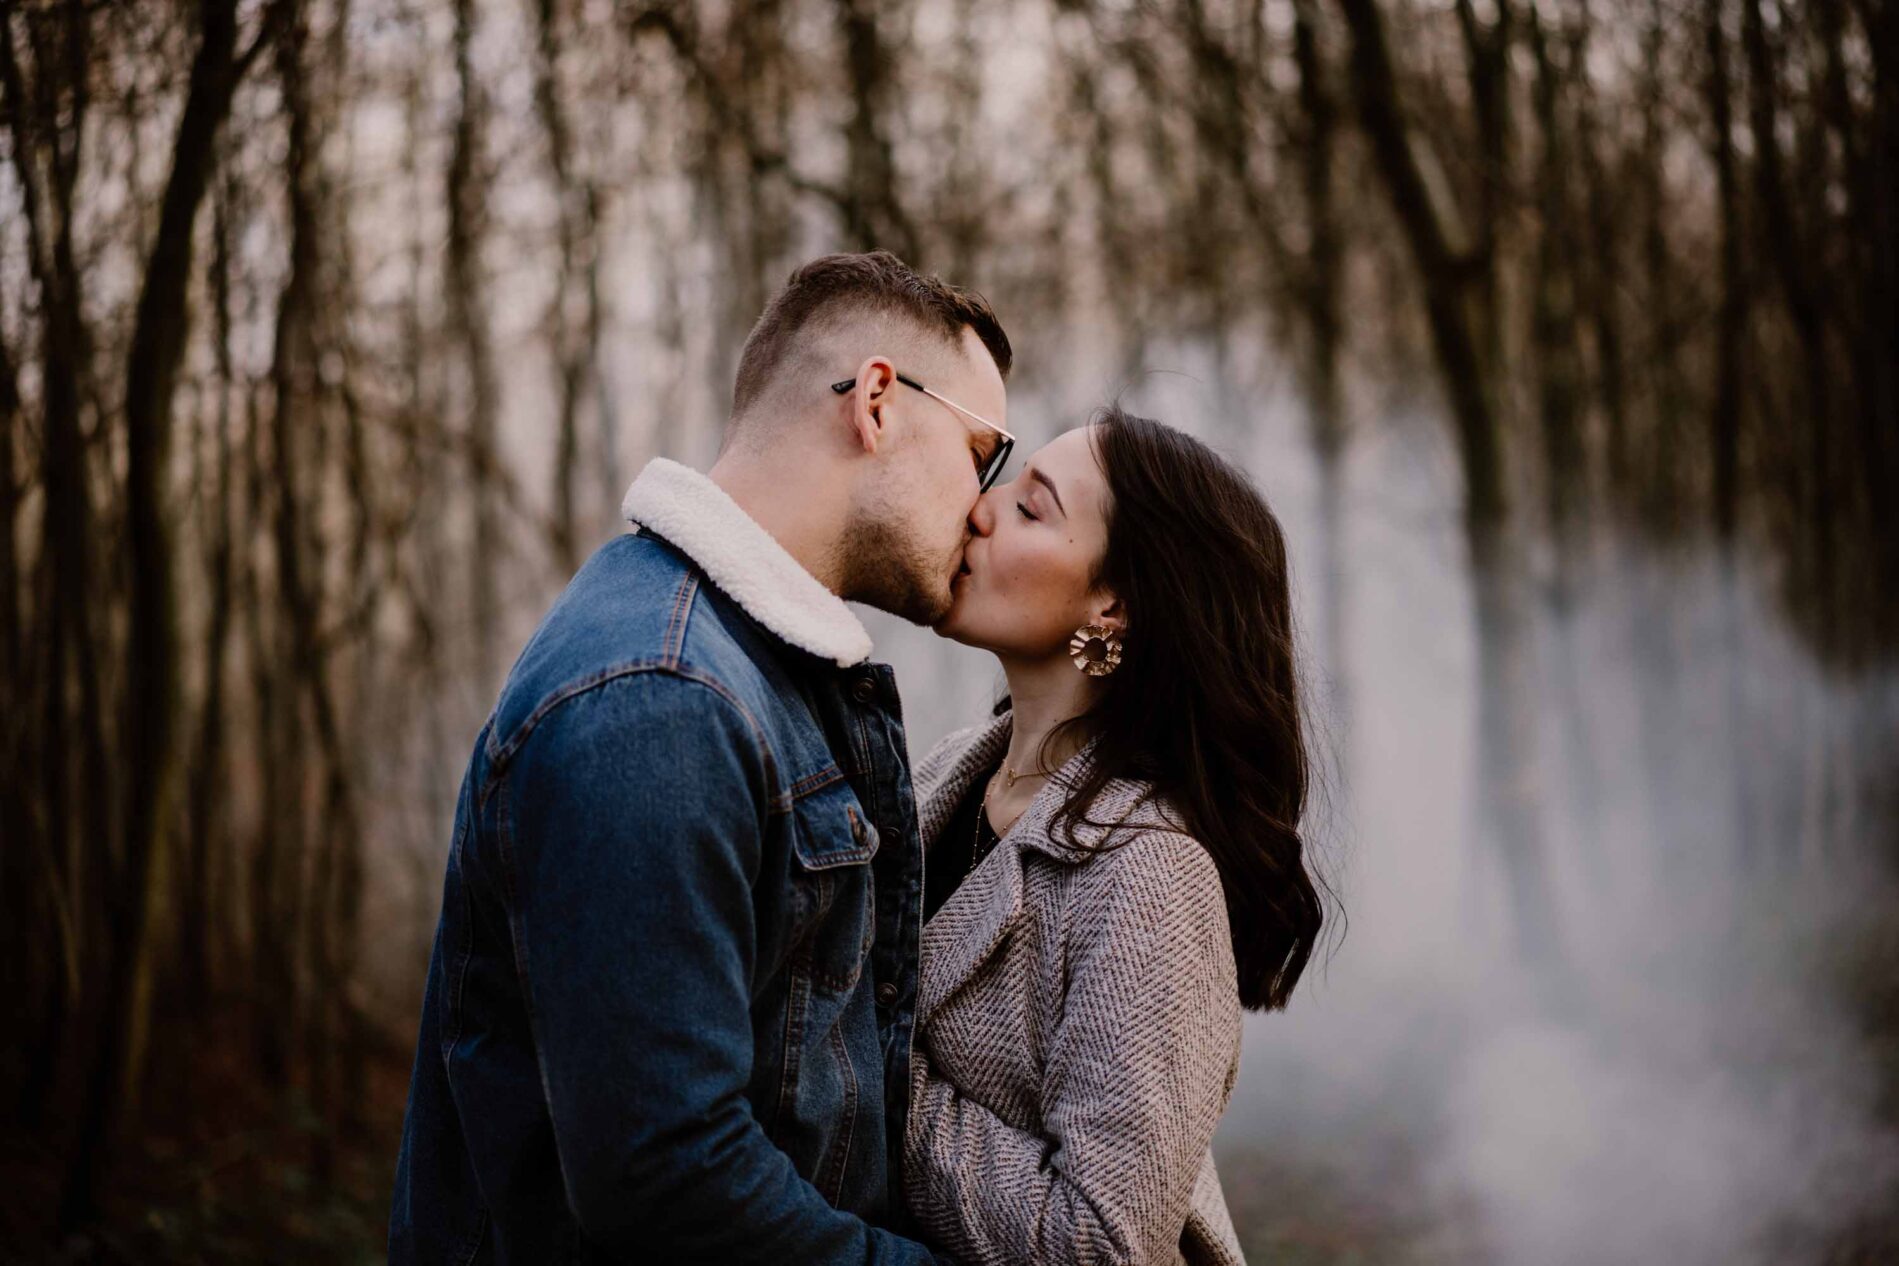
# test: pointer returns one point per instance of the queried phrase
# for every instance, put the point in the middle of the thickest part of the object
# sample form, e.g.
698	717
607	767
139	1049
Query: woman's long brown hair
1205	704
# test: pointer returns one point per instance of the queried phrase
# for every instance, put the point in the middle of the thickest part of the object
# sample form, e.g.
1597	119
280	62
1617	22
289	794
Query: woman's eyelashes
1024	512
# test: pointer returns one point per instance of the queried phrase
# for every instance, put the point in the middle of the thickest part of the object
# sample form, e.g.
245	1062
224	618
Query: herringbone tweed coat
1078	1033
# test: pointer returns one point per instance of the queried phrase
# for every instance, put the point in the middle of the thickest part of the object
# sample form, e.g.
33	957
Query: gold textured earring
1096	649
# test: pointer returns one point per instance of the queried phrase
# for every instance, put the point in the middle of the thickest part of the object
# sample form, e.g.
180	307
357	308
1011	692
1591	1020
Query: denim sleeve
633	836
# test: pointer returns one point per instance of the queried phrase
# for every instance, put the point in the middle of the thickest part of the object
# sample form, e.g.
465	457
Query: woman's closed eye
1024	512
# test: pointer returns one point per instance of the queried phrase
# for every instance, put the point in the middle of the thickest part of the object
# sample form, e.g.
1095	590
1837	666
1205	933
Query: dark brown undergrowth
221	1167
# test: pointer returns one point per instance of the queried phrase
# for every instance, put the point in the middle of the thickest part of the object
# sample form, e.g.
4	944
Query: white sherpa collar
741	558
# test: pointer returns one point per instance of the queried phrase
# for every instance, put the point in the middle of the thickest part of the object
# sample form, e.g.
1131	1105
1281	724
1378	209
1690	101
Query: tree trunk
48	126
1457	303
468	319
1323	289
206	779
1453	304
1510	795
1724	419
1487	75
11	629
1602	277
1554	322
1877	338
299	897
874	215
1663	462
1324	267
157	346
1793	268
569	331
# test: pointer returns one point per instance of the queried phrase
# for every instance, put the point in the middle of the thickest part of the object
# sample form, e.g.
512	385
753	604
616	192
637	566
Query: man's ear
876	382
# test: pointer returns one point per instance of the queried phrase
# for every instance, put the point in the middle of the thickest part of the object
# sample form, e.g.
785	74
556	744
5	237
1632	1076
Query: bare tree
573	315
468	321
48	121
1460	302
204	817
873	208
157	346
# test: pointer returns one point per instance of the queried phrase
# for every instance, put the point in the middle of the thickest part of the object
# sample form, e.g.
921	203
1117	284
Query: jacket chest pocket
832	887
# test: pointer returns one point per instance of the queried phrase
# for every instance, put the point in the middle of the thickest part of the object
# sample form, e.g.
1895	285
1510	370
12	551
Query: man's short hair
876	282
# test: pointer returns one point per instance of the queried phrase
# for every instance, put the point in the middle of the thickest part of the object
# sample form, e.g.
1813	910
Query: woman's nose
982	515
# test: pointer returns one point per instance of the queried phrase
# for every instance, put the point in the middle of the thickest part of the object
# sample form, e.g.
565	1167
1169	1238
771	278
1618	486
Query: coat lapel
978	916
946	776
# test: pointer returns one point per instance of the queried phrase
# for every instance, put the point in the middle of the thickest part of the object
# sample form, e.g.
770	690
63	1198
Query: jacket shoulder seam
501	757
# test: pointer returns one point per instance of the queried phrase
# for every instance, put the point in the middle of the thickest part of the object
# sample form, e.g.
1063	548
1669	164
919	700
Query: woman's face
1035	543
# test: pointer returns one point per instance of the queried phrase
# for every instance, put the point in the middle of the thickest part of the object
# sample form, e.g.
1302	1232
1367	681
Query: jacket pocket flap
833	829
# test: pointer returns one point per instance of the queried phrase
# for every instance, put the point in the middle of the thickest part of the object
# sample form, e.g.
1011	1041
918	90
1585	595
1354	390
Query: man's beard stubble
884	567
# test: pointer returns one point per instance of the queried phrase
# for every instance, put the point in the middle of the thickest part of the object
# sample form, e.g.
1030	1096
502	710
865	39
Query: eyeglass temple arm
843	388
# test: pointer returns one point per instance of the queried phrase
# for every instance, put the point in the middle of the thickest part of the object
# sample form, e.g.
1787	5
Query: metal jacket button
865	691
887	994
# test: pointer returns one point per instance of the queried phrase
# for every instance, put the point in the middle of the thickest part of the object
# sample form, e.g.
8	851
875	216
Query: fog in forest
332	331
1688	1085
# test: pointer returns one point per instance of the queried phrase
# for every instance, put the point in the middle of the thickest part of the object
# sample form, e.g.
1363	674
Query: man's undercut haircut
877	282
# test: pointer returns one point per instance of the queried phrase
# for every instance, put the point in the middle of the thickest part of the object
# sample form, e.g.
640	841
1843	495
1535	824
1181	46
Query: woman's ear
1111	613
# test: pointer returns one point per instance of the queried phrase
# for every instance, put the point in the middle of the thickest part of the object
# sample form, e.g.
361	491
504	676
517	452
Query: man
669	1007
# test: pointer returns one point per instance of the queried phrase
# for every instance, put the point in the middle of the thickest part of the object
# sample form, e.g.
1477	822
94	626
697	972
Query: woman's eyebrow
1049	484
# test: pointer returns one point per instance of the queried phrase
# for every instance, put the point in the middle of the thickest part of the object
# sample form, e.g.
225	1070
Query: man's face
907	537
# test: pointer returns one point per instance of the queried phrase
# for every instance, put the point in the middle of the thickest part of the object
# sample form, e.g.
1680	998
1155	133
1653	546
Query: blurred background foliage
332	330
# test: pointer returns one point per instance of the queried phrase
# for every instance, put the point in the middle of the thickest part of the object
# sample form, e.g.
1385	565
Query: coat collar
741	558
977	917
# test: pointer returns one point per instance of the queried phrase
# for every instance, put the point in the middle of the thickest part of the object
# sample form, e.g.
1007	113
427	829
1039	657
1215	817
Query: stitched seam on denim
480	1237
836	859
841	1145
675	640
870	921
458	855
779	802
837	984
517	942
499	758
861	849
504	835
815	782
826	884
863	738
796	1007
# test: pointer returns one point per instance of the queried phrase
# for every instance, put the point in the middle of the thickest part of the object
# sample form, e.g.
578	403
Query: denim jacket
669	1008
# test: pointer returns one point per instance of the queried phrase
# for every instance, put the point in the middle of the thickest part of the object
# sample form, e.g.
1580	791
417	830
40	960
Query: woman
1114	866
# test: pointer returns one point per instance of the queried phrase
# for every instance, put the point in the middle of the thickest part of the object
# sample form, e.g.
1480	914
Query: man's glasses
988	471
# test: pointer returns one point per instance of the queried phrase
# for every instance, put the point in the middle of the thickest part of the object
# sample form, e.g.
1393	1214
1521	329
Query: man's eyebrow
1049	484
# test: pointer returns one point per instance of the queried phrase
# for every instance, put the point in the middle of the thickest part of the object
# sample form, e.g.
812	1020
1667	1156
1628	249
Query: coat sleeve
632	839
1139	1070
940	754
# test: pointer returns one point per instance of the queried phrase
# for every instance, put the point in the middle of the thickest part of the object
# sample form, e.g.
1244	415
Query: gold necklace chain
976	850
1008	771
